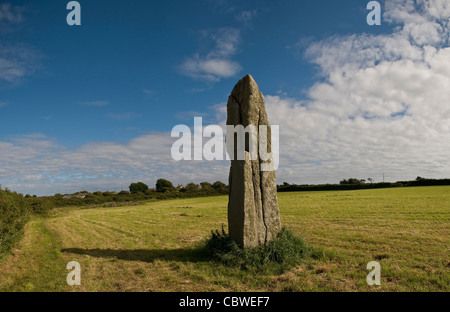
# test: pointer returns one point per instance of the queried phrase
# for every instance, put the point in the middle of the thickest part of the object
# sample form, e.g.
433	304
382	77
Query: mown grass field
152	247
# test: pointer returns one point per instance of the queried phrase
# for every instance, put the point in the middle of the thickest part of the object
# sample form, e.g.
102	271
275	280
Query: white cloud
216	63
320	147
424	21
209	69
382	107
36	164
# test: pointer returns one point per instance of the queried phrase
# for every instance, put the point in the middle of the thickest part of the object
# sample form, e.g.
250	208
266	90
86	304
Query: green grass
155	246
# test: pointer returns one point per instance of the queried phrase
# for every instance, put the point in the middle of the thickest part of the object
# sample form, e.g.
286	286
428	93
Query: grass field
152	247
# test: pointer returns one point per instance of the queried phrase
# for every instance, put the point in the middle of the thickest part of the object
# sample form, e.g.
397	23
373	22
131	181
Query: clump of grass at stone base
277	256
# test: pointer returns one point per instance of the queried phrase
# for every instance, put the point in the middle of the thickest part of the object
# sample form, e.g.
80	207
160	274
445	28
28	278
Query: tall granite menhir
253	213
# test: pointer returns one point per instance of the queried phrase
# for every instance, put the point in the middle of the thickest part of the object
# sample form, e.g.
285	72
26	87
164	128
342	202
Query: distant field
152	247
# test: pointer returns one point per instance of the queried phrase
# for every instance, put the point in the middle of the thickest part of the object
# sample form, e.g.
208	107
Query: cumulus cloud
216	63
383	104
424	21
37	164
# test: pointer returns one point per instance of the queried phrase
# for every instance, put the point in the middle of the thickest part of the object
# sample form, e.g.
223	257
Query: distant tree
207	188
163	185
370	180
205	184
352	181
220	187
191	187
138	187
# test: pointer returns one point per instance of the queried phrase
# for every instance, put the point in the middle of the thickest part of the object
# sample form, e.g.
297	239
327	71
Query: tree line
137	192
358	184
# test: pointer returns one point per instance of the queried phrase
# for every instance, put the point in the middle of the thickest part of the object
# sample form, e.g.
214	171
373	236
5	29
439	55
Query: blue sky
135	69
117	75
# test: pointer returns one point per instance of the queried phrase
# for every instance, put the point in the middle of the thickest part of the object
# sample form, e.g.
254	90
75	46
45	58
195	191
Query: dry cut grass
154	246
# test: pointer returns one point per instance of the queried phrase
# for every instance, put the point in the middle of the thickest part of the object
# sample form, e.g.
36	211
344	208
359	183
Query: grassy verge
36	264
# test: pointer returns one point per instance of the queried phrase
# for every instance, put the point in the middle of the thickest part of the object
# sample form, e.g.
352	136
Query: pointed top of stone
244	88
249	78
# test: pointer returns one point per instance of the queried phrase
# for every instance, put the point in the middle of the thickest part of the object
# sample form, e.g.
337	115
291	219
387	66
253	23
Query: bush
285	252
352	181
163	186
13	216
15	209
138	187
39	206
220	187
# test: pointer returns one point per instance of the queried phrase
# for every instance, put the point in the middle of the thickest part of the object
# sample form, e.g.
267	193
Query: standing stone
253	213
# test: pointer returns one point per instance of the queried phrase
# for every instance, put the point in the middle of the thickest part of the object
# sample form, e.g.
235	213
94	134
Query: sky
91	107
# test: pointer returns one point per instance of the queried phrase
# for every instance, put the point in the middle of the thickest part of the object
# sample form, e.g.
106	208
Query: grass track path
36	264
